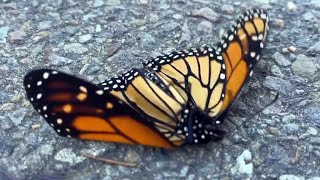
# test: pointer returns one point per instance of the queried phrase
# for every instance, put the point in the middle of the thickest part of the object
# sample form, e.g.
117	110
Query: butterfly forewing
76	108
240	49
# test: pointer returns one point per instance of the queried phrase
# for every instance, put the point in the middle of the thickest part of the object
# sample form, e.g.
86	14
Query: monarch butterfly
175	99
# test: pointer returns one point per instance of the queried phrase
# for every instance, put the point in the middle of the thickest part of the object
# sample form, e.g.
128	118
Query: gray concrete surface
98	39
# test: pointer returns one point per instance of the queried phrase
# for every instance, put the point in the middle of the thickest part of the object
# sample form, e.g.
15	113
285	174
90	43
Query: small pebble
16	36
112	50
244	164
132	156
3	34
291	6
290	177
304	66
85	38
227	9
206	13
312	131
75	48
205	26
278	84
55	59
273	130
98	3
113	2
144	2
292	49
98	28
314	48
281	60
276	71
279	23
68	155
35	126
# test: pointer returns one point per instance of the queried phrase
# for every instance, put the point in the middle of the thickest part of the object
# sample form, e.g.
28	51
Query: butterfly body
198	127
175	99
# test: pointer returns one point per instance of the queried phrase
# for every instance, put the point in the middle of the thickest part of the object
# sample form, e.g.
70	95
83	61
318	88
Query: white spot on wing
59	121
251	72
222	76
45	75
224	45
39	96
254	38
83	89
231	37
99	92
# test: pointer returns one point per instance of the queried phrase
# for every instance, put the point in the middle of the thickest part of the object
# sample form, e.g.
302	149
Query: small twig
109	161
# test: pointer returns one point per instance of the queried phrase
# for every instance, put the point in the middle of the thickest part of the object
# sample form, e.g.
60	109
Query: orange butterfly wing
152	97
78	109
216	76
240	49
197	74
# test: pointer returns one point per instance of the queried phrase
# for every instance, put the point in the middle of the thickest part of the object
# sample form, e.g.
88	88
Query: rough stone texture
206	13
281	60
315	48
304	66
102	38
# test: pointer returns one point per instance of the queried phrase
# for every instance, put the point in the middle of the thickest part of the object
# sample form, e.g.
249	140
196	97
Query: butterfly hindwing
151	96
76	108
198	74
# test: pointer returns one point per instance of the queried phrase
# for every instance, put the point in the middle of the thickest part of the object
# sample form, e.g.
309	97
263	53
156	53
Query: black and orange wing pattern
78	109
197	74
150	95
241	48
214	77
176	99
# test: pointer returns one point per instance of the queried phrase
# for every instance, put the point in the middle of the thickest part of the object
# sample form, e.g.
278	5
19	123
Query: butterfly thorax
198	127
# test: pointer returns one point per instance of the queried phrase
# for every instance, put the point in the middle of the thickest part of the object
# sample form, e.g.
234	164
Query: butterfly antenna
250	118
109	161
